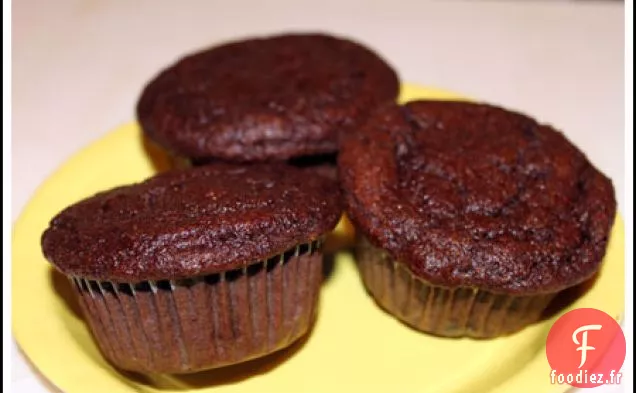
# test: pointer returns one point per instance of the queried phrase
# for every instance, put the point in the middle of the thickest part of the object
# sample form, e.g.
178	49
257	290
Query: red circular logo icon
585	349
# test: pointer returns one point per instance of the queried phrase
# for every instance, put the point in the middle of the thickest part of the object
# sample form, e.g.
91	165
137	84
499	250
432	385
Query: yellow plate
354	346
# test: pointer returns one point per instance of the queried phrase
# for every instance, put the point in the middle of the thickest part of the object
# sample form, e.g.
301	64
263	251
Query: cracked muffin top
265	99
474	195
192	222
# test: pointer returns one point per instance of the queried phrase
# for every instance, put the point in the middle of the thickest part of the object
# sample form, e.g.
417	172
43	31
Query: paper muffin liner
434	309
180	326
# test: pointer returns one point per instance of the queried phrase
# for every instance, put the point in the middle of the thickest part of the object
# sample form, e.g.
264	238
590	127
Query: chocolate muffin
198	268
272	98
471	218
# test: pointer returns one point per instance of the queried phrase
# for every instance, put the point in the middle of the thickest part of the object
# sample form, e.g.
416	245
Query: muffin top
474	195
265	99
192	222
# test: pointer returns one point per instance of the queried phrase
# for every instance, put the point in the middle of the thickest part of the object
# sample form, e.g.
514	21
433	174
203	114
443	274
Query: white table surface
79	65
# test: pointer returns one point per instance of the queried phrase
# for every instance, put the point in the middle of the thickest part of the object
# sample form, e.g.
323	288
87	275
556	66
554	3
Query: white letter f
584	347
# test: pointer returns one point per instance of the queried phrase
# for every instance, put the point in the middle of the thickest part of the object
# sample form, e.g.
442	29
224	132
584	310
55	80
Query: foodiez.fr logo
586	349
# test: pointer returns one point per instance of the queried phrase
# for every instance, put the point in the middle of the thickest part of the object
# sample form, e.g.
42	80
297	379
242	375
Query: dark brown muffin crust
192	222
270	98
473	195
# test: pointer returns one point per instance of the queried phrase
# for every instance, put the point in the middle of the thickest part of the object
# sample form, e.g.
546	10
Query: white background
78	67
